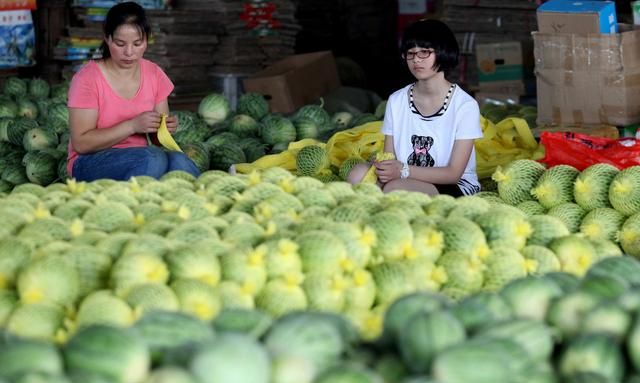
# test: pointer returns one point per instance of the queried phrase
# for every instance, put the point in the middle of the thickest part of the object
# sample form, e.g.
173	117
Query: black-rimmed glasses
421	54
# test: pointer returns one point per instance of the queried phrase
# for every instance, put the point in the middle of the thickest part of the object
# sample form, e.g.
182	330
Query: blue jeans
123	163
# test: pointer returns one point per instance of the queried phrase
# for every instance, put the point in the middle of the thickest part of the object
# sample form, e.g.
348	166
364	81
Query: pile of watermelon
216	137
548	329
34	132
279	277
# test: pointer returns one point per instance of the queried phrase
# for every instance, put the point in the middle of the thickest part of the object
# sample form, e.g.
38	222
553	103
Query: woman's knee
410	185
153	163
180	161
357	173
392	185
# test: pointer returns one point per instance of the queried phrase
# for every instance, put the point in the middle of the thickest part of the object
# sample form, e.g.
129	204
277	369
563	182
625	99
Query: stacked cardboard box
184	45
254	34
481	24
586	76
197	41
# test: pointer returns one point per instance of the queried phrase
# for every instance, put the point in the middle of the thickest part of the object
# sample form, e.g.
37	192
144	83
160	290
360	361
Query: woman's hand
388	170
172	123
147	122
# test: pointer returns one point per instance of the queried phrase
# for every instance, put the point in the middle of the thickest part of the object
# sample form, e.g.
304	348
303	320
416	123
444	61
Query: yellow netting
502	143
361	140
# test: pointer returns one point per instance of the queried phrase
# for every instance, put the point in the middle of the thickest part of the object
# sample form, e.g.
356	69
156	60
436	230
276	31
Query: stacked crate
250	36
184	44
254	34
196	40
489	21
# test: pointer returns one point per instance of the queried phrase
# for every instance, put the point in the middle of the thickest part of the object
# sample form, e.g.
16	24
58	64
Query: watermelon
186	119
8	108
425	335
624	191
214	108
41	168
60	91
39	88
119	355
315	113
224	360
15	174
27	109
6	124
164	331
221	139
311	159
254	105
198	153
253	148
20	127
306	128
593	353
194	134
39	138
28	356
277	129
223	156
58	117
43	109
244	125
16	87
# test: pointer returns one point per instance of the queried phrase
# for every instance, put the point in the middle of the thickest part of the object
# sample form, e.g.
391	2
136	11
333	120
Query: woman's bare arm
450	174
87	138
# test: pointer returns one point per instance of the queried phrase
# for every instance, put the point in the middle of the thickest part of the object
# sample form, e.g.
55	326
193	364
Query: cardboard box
296	80
503	87
499	61
500	68
562	16
588	79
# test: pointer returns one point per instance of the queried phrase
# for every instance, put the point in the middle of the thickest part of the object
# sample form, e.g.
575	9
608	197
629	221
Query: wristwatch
404	172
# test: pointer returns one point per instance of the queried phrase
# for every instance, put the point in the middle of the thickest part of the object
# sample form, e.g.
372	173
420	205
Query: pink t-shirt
90	90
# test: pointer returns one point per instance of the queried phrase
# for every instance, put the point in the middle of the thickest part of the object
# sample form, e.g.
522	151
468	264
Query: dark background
362	34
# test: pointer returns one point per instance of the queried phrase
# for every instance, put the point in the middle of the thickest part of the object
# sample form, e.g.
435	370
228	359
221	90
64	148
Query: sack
583	150
502	143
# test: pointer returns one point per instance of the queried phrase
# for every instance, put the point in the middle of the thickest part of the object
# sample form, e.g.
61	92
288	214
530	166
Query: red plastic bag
582	150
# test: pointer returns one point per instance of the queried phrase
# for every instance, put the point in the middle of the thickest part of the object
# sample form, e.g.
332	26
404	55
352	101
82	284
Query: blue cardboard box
563	16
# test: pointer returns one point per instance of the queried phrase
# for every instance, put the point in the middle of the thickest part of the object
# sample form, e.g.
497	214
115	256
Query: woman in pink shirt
115	102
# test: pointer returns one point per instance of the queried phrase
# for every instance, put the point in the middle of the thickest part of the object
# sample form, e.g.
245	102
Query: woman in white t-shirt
431	124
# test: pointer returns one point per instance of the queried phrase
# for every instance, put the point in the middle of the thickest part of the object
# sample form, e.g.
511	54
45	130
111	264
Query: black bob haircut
436	35
127	13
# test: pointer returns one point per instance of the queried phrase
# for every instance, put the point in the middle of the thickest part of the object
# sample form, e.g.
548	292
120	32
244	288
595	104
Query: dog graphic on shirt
420	156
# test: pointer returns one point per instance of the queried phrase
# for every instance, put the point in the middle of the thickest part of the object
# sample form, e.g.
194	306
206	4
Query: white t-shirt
428	140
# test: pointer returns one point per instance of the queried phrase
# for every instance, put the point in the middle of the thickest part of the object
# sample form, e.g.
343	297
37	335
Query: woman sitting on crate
114	103
429	125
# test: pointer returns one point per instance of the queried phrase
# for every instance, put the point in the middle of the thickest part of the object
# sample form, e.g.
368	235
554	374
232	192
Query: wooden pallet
607	131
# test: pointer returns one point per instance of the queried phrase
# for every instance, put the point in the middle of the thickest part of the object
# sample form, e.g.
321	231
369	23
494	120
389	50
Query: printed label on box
12	5
17	39
499	61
